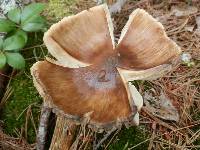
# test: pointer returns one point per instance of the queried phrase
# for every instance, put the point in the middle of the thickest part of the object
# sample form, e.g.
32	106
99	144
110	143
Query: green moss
57	9
15	111
130	137
24	97
196	128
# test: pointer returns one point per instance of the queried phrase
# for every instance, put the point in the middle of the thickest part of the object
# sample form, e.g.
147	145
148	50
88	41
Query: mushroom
90	76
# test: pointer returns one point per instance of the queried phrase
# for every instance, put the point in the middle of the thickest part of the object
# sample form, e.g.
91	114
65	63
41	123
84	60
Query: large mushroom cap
79	91
91	77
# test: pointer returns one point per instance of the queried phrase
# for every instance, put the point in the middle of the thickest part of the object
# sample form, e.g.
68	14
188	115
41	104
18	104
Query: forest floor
20	106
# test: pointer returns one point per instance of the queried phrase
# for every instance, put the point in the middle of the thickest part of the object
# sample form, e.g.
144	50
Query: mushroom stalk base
64	134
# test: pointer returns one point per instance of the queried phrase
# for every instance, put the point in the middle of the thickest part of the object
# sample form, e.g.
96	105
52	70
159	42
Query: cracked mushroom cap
91	74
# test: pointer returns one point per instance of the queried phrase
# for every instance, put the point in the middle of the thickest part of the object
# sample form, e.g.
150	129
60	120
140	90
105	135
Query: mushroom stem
64	134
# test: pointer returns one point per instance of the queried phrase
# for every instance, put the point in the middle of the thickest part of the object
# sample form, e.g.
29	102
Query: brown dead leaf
160	106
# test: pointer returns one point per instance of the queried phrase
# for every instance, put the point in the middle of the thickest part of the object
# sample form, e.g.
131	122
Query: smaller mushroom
90	76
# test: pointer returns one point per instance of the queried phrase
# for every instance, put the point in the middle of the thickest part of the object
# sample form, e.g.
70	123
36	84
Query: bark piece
63	134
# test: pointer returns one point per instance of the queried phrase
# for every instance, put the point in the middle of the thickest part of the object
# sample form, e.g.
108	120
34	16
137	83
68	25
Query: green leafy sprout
16	25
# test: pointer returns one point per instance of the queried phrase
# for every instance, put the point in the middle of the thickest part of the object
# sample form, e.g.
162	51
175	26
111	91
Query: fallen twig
42	131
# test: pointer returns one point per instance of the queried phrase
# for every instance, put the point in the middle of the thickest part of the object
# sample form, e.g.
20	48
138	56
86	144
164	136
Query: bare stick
42	131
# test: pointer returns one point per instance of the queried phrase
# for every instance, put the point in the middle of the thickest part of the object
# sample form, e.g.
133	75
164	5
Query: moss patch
25	100
57	9
127	138
16	110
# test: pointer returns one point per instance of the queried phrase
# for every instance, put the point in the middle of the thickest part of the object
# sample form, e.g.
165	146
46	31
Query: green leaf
33	27
23	34
14	15
31	10
36	23
15	60
2	60
14	42
1	43
6	25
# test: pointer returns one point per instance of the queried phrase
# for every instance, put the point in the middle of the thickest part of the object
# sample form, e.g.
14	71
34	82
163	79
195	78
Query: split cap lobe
91	76
79	40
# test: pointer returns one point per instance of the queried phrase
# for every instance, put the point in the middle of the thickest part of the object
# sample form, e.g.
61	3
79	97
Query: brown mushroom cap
78	91
144	44
79	40
91	77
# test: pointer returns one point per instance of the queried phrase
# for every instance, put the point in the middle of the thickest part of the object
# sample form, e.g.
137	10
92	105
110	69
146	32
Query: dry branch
43	127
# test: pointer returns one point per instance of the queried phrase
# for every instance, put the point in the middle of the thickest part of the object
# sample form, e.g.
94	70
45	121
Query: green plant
16	25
